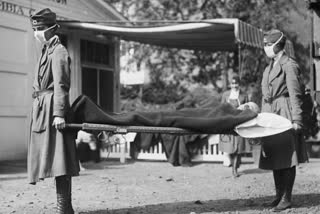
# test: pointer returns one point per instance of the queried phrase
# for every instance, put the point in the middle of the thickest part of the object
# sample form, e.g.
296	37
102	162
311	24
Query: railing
119	147
209	152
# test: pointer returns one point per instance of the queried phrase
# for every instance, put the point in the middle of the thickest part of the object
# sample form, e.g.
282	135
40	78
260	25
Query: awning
209	35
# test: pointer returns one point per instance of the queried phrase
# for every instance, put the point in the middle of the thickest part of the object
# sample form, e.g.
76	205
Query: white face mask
269	50
40	34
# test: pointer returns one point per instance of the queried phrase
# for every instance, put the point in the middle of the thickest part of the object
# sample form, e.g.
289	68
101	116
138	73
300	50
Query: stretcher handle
74	126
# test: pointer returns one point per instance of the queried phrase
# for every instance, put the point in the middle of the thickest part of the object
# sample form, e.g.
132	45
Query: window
97	73
93	52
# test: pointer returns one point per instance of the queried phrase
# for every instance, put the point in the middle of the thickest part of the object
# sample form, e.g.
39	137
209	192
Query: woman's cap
44	17
272	36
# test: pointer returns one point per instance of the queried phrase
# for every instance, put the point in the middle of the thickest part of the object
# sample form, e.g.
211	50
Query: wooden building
94	63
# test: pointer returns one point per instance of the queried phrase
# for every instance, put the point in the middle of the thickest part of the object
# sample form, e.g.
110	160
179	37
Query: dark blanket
218	120
221	119
179	149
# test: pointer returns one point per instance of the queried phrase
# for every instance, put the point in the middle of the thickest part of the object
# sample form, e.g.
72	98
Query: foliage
174	73
200	97
160	94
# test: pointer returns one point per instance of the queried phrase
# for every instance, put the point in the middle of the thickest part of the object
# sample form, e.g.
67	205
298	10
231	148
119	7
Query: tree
175	72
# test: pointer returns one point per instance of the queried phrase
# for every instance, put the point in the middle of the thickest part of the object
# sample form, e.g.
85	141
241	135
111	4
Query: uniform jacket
242	97
50	152
283	79
282	94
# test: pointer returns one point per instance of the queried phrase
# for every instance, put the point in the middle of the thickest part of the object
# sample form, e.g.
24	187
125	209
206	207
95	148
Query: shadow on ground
222	205
254	171
10	169
105	164
13	167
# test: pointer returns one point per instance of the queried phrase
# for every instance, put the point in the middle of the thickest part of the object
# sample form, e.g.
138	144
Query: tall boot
289	176
63	187
278	187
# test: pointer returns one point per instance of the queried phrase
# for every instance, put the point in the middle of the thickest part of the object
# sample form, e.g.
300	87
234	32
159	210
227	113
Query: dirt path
159	188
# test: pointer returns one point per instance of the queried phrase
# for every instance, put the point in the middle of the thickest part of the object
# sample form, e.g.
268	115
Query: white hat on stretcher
265	124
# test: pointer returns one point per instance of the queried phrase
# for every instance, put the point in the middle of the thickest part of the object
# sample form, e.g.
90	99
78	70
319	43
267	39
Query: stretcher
180	126
265	124
118	135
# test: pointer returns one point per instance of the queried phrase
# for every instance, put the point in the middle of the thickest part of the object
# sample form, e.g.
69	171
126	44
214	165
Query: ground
159	188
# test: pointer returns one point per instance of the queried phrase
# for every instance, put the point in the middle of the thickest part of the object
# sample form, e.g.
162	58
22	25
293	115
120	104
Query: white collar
277	58
234	94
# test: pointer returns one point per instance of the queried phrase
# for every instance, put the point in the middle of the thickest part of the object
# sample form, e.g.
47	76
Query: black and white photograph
159	106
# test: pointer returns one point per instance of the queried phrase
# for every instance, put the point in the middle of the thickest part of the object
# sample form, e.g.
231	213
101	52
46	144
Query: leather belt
36	94
271	99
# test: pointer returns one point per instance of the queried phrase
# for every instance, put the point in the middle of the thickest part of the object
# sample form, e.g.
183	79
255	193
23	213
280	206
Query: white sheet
265	124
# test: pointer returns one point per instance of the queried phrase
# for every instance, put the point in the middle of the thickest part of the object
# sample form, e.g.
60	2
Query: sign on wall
15	9
20	10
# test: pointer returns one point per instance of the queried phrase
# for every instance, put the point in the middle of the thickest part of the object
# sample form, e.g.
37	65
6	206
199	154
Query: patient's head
250	105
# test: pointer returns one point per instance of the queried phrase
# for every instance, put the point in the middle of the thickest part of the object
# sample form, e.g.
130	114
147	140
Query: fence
209	152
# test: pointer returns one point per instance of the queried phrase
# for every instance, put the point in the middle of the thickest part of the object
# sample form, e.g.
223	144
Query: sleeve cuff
58	113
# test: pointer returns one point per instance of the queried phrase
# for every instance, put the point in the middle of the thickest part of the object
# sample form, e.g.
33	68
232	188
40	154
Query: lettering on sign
59	1
21	10
16	9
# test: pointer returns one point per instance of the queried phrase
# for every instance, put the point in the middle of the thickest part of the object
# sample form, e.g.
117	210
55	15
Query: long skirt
51	153
282	151
234	144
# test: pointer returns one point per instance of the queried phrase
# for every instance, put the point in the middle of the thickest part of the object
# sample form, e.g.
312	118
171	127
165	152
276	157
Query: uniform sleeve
61	81
295	90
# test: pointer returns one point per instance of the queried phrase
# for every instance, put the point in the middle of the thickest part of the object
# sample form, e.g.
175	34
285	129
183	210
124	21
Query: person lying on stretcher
265	124
89	144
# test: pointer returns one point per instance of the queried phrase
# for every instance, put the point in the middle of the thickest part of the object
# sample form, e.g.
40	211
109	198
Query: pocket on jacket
39	112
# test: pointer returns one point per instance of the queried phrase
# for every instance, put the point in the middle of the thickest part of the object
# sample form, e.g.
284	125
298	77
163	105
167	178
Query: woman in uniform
282	90
51	150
